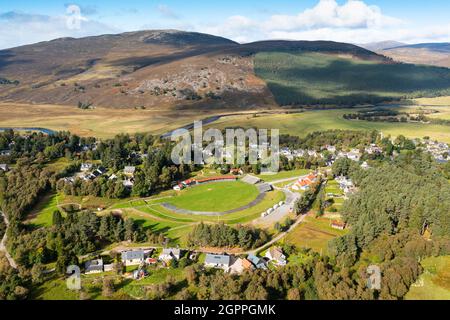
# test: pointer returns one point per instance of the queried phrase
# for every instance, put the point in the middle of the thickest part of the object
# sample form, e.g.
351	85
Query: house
304	183
178	187
4	167
338	225
151	261
5	153
128	183
129	171
86	167
240	265
169	254
217	261
133	258
108	267
93	266
275	254
258	262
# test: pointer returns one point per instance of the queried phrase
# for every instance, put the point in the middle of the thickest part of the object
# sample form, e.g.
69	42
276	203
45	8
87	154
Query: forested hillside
323	79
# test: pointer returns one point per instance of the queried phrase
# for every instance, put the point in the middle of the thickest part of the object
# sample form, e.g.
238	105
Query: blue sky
28	21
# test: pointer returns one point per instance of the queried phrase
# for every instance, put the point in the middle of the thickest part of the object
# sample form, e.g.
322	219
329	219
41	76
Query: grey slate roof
217	259
133	255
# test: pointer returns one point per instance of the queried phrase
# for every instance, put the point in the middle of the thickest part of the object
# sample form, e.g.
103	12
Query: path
3	248
278	237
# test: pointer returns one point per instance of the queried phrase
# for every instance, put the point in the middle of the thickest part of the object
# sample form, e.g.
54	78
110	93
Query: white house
93	266
169	254
133	258
240	265
129	171
275	254
86	167
218	261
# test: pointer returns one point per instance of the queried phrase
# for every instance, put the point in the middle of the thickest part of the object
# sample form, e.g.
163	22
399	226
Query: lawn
314	233
301	124
136	288
284	175
241	217
42	214
215	197
434	283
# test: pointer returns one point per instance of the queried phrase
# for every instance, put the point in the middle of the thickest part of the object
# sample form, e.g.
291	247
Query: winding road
3	248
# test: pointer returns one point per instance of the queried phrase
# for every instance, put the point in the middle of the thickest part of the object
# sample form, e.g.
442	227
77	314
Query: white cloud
22	28
354	21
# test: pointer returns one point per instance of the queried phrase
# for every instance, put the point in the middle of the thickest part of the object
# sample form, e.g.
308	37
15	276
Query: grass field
100	122
312	78
215	197
434	283
56	288
240	217
284	175
42	215
301	124
314	233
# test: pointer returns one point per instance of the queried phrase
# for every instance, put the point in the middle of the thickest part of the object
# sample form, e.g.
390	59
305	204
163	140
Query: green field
434	283
215	197
284	175
317	78
301	124
241	217
42	215
314	233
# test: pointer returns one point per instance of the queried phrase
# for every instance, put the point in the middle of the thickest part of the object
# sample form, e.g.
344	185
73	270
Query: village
136	262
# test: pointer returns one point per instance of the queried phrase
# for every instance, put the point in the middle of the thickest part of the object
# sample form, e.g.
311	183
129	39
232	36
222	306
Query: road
278	237
3	248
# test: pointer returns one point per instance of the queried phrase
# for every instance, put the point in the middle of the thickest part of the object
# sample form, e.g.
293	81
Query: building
133	258
108	267
93	266
129	171
4	167
251	179
258	262
218	261
304	183
169	254
240	265
86	167
276	255
338	225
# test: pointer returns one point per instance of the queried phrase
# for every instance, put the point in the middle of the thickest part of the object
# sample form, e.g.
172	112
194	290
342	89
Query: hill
314	78
377	46
176	70
436	54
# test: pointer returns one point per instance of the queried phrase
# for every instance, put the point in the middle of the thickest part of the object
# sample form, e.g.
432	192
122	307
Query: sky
354	21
